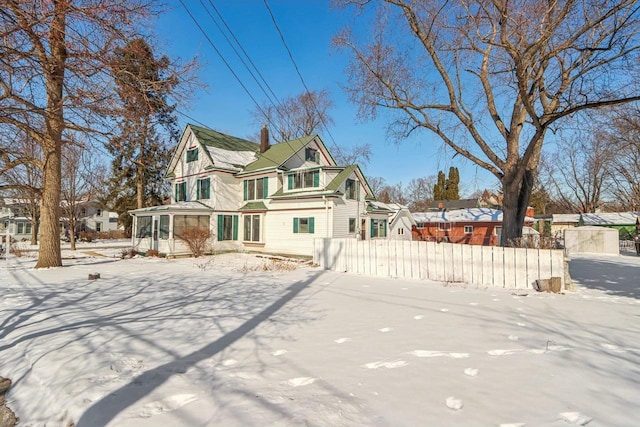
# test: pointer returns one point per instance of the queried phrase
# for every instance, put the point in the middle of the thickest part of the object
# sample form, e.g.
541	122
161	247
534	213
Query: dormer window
311	155
351	189
192	155
308	179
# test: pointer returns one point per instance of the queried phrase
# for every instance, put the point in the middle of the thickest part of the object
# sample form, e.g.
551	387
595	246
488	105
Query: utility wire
273	18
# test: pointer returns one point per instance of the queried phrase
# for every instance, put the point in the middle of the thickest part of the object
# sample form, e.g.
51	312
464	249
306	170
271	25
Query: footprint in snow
513	425
513	337
342	340
418	317
444	310
471	372
575	418
382	364
279	352
430	353
300	381
166	404
454	403
385	329
473	303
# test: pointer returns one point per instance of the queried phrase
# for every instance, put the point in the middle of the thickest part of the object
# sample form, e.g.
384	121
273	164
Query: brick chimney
264	139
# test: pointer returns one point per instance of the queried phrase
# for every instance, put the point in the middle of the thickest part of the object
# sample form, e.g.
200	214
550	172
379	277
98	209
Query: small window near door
468	229
352	225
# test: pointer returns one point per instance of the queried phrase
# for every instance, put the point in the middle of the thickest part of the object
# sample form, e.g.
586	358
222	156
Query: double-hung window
352	225
378	228
192	155
252	228
303	225
181	192
351	189
255	189
204	189
227	227
311	155
309	179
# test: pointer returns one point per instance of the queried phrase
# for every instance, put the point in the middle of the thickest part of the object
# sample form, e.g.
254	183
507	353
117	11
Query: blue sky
308	27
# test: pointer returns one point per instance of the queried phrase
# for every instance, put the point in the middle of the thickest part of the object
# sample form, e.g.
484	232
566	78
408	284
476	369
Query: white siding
228	192
278	226
402	222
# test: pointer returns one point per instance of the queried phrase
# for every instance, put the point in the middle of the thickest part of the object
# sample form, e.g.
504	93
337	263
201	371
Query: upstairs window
204	189
181	192
309	179
255	189
351	189
192	155
311	155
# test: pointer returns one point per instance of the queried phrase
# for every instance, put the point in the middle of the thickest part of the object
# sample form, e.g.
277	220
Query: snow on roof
462	215
180	206
395	209
610	218
567	218
230	159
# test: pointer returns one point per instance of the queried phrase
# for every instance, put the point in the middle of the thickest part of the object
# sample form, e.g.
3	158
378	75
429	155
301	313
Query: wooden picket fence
479	266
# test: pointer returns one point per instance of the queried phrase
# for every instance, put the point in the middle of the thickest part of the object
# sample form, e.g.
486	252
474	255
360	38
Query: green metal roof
216	139
254	206
277	154
340	178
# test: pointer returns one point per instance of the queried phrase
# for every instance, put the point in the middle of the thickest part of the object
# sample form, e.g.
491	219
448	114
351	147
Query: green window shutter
311	225
295	225
265	188
207	193
235	227
245	189
220	226
316	178
184	191
384	230
372	228
199	184
176	192
290	178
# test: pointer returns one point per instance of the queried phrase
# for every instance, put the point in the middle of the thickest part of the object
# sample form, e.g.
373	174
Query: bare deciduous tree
577	175
419	193
491	77
296	116
52	81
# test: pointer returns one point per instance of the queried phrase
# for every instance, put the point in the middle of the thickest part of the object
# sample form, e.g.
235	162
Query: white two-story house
258	197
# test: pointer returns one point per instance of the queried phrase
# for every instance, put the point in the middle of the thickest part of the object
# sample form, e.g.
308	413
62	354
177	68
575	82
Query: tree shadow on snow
618	276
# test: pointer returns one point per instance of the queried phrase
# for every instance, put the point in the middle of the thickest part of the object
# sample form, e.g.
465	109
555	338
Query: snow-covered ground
231	341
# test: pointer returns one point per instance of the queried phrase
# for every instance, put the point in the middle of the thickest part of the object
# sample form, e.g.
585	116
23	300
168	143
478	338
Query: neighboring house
401	221
473	226
624	222
560	222
438	205
258	197
18	225
92	217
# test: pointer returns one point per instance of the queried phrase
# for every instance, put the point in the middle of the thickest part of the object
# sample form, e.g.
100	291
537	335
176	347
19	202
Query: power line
273	18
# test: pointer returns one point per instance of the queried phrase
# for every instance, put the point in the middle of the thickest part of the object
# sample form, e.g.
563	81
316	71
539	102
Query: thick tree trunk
49	254
516	196
34	232
54	67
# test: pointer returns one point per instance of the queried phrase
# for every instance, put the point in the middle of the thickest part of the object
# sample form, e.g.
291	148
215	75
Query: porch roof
174	207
